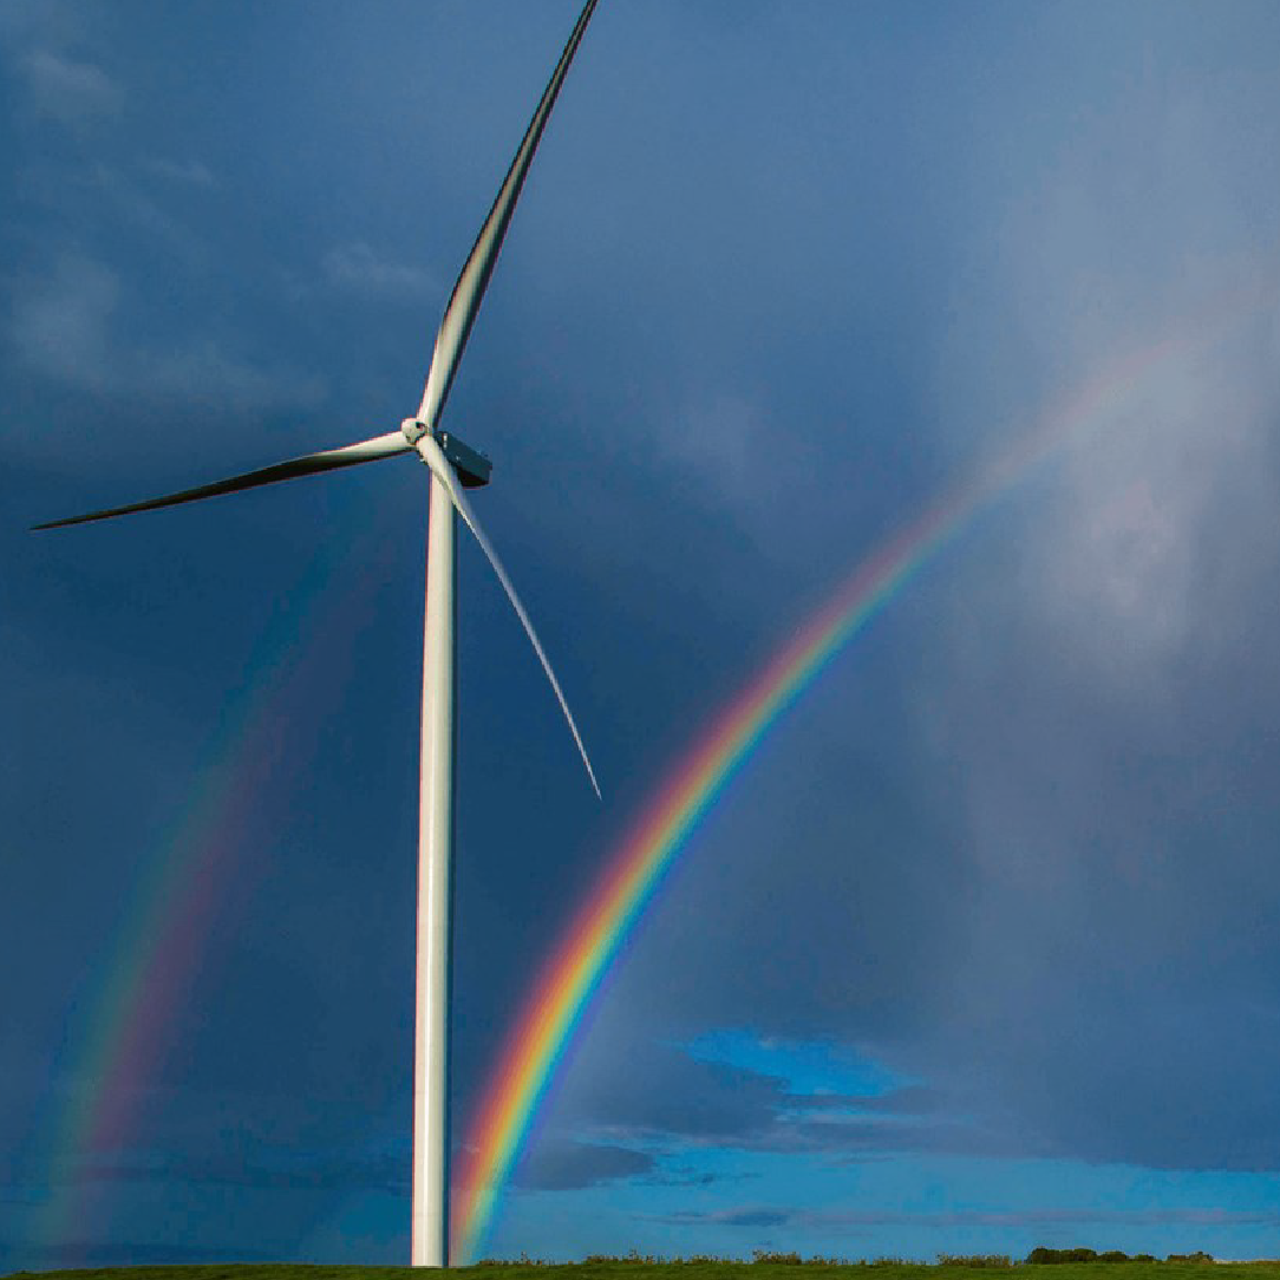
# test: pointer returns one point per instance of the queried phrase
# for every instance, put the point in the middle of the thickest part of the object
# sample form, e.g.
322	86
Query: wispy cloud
771	1216
190	173
357	267
75	94
724	447
66	326
114	188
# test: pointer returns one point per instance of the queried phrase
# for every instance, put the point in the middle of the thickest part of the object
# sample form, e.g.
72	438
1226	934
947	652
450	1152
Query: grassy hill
697	1269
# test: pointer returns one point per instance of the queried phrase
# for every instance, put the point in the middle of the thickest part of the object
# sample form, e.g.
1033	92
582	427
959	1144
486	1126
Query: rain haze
979	948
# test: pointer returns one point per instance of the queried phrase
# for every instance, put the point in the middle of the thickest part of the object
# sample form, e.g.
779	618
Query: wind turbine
454	466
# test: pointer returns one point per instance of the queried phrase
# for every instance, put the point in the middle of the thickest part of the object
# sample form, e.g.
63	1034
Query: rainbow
634	870
179	888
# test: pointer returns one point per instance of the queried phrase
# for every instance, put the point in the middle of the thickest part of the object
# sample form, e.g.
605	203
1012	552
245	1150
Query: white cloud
721	441
58	326
73	93
114	189
357	267
66	326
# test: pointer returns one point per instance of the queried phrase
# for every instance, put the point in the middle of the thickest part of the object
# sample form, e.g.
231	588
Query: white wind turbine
454	466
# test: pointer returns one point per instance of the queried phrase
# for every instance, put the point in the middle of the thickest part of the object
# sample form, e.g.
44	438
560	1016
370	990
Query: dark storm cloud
679	1102
830	916
1051	894
1016	844
567	1166
666	1092
1117	990
291	1170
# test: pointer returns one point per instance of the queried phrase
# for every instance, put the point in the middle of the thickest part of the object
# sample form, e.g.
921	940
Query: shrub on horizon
636	1259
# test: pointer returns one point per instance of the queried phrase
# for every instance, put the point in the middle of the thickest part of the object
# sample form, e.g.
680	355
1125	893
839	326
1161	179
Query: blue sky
979	952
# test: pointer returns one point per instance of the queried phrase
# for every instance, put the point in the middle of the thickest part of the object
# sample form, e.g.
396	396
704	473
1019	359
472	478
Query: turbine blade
439	464
468	293
328	460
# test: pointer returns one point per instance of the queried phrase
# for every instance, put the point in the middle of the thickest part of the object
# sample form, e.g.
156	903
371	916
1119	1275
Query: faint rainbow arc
635	868
159	938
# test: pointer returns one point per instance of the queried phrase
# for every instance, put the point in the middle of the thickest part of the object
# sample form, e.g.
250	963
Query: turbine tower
453	467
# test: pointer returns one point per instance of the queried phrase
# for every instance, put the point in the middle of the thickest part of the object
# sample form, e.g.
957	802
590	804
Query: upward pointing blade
328	460
468	293
439	464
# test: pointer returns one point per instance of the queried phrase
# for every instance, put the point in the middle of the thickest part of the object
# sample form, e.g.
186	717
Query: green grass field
697	1269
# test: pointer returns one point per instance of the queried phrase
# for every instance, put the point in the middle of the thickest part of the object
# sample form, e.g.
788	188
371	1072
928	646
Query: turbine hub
472	466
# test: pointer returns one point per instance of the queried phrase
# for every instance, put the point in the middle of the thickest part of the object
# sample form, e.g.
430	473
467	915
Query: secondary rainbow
174	903
635	869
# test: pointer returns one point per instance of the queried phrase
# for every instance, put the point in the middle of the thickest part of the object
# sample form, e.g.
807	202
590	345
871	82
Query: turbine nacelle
472	466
